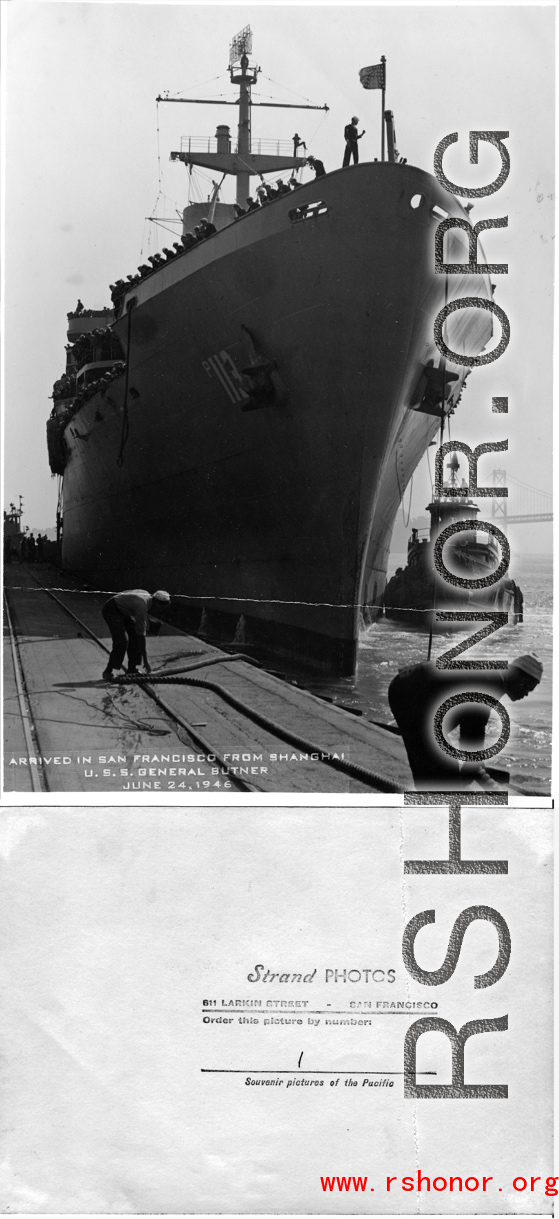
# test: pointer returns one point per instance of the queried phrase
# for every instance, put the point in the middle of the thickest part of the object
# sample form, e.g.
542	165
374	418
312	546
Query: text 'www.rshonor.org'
423	1184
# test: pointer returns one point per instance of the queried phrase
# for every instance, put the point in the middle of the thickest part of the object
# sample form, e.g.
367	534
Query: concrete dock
219	724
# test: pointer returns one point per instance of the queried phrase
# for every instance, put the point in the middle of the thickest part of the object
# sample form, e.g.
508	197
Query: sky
87	160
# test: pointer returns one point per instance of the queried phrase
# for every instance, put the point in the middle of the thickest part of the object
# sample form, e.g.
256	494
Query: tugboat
416	591
13	533
238	426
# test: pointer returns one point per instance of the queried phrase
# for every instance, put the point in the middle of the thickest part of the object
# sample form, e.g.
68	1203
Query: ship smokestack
223	137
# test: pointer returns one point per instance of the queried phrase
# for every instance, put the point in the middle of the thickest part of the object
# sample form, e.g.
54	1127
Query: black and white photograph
279	312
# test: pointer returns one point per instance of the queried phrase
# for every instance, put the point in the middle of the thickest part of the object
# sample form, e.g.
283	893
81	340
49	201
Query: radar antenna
241	45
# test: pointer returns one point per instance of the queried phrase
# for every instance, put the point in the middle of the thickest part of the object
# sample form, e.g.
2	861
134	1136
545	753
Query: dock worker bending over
126	615
351	138
416	693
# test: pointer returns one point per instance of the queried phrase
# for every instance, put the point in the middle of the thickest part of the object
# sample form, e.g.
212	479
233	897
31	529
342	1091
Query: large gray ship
241	427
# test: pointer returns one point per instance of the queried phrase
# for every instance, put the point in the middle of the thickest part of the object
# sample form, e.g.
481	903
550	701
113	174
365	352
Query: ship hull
273	521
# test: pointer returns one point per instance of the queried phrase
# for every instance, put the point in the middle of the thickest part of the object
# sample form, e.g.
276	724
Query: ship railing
94	366
307	211
90	313
279	148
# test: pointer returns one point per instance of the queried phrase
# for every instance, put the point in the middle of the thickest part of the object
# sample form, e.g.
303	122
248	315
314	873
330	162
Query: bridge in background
523	505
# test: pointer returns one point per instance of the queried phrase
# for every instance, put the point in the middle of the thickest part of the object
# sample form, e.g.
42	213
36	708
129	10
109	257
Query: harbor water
386	646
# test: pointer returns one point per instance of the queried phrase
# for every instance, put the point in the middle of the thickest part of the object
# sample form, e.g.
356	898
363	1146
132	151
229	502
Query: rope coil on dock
352	769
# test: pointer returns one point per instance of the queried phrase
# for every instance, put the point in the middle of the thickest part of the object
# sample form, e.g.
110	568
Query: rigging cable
286	87
158	148
125	422
163	226
429	469
317	128
406	522
158	159
199	85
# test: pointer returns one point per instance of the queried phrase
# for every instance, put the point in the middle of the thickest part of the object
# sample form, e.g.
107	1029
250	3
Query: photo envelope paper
342	1012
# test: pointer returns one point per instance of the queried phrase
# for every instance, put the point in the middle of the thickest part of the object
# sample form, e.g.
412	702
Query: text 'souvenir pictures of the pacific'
278	401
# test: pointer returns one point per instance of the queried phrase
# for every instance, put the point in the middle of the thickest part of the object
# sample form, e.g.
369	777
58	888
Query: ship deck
239	729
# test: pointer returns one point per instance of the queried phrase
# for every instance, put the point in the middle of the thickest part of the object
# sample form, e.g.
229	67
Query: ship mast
242	163
245	80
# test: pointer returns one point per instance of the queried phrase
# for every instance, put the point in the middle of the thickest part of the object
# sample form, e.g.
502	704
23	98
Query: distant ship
415	592
241	427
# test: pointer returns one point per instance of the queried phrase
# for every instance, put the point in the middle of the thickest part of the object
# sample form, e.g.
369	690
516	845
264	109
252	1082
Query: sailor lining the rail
126	615
317	165
188	240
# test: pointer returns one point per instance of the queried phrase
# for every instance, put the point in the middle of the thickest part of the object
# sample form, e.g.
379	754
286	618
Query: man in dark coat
416	693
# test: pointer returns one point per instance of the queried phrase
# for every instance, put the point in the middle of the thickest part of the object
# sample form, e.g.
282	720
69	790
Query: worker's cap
355	118
530	663
310	160
161	595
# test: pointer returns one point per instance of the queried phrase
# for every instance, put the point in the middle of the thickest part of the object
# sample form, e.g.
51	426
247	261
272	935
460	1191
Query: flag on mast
373	77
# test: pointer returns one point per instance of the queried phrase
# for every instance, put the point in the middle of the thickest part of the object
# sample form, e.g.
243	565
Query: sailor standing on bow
351	138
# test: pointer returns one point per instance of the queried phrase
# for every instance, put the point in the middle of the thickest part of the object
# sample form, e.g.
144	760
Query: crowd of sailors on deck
100	345
265	194
66	387
202	231
79	311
